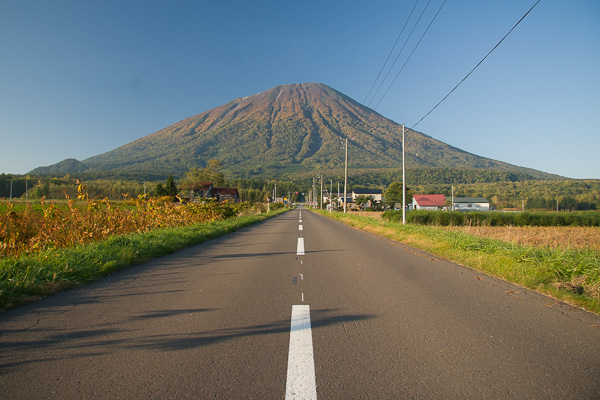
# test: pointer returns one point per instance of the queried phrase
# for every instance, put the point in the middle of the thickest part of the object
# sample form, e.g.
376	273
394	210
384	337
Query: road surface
299	306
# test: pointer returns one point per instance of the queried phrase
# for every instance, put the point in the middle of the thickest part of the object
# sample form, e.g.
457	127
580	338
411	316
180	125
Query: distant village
373	199
358	199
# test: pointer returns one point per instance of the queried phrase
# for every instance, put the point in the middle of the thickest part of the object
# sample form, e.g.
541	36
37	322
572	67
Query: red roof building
429	202
225	194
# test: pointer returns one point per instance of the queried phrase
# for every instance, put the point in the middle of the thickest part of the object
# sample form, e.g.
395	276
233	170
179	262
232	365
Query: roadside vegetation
32	228
553	267
49	246
34	275
481	218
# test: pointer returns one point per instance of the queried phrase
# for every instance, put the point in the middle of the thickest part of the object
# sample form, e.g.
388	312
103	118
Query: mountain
68	166
286	130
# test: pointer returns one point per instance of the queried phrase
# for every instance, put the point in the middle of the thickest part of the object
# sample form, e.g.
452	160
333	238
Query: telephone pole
321	201
330	195
403	181
346	179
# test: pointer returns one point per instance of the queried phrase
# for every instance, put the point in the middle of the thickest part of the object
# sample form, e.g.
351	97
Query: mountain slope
285	130
67	166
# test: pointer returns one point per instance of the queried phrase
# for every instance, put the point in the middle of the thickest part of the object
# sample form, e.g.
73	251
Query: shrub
483	218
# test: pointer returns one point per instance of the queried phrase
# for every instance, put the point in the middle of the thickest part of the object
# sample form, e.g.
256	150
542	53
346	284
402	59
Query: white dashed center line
301	381
300	247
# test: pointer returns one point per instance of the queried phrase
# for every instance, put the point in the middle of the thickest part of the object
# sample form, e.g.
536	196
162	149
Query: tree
160	189
211	173
393	194
171	187
363	199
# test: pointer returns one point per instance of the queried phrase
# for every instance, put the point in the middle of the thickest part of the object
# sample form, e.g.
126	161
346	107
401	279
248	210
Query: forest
505	190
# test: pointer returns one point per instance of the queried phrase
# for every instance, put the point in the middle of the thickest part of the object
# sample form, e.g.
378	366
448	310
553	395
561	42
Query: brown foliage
539	236
79	222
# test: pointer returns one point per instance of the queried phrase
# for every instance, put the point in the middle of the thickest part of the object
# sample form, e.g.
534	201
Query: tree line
504	190
250	190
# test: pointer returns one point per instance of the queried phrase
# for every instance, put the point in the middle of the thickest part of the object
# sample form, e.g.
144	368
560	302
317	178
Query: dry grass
581	238
49	226
372	214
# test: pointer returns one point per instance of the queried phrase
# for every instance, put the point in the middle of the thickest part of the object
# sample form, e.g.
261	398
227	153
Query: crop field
563	237
33	227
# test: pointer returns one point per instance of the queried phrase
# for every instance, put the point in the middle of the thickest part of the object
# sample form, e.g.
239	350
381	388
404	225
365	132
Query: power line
465	78
478	64
401	50
391	51
409	57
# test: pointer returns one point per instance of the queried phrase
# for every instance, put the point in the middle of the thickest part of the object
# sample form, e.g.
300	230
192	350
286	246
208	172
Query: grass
486	218
569	274
565	237
31	276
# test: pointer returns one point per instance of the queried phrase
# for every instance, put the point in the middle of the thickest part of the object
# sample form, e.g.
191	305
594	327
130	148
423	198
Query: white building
471	204
377	194
429	202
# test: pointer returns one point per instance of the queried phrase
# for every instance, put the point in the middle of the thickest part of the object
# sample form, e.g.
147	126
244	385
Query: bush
482	218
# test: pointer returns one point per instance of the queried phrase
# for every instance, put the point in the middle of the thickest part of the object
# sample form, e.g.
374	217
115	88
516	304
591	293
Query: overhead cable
391	51
465	78
412	52
478	64
400	52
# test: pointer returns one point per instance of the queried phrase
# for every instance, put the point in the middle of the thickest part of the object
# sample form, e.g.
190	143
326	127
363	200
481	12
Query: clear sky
79	78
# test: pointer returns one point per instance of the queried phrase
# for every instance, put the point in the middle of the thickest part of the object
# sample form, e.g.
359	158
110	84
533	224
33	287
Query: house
206	190
338	202
195	191
377	194
471	204
225	194
429	202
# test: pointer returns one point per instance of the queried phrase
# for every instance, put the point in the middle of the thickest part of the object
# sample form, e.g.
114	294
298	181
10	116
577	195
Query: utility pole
321	201
346	180
313	192
11	190
452	197
403	181
330	195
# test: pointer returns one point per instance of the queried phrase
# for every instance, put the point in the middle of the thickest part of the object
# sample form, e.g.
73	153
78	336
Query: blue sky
79	78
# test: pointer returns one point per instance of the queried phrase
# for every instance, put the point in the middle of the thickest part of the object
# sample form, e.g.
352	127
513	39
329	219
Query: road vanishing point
299	307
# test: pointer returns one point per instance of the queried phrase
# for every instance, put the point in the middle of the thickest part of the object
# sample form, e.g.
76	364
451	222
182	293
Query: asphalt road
299	306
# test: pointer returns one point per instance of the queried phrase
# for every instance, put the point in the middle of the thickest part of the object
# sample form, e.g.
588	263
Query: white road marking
301	381
300	228
303	297
300	248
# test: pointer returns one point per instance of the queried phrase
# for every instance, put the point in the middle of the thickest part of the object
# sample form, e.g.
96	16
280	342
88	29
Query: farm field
33	227
582	238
